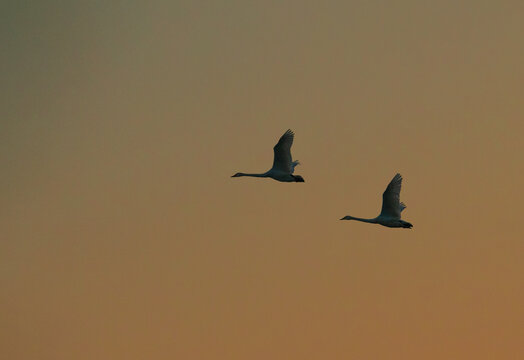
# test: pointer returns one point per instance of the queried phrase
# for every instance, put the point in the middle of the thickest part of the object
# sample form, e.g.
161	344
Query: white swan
391	207
283	166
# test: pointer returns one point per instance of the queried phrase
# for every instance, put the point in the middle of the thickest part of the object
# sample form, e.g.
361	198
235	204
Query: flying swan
391	207
283	166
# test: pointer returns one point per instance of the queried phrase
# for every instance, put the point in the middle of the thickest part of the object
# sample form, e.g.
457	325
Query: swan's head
238	174
347	218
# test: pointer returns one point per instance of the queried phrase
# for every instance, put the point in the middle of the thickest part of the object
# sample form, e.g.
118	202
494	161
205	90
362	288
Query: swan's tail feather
406	225
298	178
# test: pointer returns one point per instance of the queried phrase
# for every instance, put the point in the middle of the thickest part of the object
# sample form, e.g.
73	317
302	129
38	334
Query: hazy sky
124	237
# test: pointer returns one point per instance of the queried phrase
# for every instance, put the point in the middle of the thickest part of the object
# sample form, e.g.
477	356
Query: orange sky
124	237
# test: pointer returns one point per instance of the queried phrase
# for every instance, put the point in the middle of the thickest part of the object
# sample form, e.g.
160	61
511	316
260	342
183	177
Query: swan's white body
283	165
391	207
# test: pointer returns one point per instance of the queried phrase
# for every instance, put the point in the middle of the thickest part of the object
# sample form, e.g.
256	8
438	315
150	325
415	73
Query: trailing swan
391	207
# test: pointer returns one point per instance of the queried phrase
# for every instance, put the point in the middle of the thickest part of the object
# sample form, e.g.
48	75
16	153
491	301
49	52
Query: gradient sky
124	237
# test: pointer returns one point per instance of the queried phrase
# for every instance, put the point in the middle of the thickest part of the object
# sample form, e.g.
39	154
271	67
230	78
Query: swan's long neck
372	221
253	175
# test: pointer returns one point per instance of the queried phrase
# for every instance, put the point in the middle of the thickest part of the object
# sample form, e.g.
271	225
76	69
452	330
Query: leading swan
391	207
283	165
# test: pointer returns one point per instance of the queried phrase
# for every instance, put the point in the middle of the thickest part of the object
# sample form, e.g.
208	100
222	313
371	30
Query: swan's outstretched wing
282	149
402	206
391	198
293	165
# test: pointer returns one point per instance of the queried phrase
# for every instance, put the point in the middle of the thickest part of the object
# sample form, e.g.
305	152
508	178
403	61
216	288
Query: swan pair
284	167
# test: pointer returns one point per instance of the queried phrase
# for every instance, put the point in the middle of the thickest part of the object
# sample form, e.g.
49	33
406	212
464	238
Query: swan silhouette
391	207
283	165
